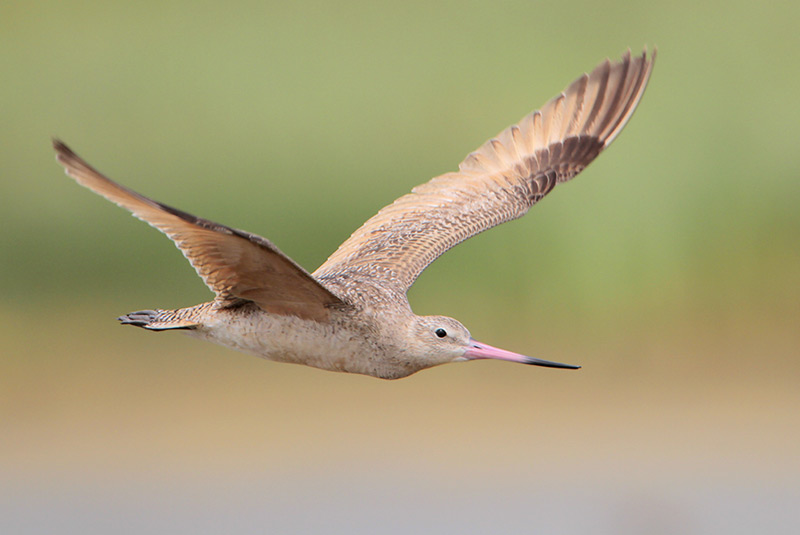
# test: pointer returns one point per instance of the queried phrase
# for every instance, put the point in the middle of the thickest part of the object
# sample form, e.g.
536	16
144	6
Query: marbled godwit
352	314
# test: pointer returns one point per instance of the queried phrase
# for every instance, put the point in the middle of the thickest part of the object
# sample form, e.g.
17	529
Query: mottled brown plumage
235	264
498	182
352	314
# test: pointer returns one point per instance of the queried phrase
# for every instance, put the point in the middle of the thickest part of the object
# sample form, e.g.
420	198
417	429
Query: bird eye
441	333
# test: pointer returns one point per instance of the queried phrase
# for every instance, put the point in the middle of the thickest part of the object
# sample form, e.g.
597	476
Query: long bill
479	350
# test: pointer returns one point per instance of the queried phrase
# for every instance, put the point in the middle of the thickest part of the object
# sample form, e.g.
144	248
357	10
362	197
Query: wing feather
235	264
496	183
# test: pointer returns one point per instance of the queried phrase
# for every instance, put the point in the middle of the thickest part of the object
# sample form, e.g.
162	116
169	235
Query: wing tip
61	148
642	79
66	157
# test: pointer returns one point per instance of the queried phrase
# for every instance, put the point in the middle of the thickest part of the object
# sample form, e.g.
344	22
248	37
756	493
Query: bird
352	314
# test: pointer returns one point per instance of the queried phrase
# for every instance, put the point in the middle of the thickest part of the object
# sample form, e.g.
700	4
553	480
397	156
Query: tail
161	320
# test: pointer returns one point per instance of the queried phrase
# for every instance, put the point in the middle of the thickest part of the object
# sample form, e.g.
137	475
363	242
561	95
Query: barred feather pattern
498	182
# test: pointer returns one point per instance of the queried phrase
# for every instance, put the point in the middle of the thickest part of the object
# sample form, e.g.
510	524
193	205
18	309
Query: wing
497	183
235	264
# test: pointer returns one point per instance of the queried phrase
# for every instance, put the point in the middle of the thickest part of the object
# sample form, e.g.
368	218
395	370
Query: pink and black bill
478	350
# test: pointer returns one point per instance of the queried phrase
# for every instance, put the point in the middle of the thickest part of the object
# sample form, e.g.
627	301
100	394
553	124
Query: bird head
441	340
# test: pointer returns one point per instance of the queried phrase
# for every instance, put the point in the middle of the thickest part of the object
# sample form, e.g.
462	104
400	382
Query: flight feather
236	265
498	182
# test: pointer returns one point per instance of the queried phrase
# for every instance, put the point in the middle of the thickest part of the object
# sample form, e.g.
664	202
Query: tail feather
159	320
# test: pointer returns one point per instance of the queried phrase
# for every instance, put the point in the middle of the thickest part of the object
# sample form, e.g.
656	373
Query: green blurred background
670	269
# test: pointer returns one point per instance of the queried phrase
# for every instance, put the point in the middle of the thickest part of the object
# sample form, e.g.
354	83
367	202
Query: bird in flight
352	314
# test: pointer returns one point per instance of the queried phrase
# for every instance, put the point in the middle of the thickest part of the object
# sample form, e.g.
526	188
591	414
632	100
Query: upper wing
233	263
498	182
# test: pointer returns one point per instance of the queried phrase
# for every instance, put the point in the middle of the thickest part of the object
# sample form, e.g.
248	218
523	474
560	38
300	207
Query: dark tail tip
142	318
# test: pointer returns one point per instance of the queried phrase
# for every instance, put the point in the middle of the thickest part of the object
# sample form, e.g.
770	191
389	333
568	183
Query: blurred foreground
119	430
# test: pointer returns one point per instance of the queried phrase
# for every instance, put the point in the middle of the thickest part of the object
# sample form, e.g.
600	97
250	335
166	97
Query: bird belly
329	346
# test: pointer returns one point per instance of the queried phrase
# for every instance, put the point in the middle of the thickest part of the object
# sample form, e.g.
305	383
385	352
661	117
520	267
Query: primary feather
498	182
